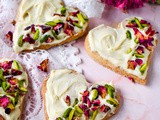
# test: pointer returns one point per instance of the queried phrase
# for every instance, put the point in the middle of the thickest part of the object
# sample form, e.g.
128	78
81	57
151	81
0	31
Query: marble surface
139	102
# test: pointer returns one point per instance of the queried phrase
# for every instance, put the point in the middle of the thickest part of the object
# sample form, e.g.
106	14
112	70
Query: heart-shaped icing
67	95
47	23
13	86
126	49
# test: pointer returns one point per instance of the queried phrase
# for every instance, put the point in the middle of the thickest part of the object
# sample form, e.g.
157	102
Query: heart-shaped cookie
67	95
13	86
126	50
42	24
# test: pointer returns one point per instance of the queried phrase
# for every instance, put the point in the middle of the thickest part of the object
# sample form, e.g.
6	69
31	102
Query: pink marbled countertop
139	102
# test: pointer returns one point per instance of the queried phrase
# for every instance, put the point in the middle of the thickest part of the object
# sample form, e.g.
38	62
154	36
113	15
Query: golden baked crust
43	91
109	65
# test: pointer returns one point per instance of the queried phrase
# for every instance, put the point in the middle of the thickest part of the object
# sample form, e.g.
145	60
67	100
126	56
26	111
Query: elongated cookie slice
13	86
126	50
42	24
67	95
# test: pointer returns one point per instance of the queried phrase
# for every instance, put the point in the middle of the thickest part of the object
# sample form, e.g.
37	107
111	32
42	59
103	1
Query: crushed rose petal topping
44	65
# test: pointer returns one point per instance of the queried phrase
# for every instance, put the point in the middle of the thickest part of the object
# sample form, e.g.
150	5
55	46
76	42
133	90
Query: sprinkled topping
43	65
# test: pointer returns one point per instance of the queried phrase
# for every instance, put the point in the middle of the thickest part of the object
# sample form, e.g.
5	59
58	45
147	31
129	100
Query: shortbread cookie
42	24
126	50
67	95
13	86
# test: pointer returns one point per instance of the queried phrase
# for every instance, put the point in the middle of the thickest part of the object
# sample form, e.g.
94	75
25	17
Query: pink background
139	102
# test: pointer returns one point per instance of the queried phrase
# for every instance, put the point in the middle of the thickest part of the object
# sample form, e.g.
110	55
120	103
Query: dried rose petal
68	29
33	30
71	21
29	27
6	65
132	25
58	27
94	108
102	91
12	89
49	40
29	39
83	107
104	108
88	102
139	61
44	28
4	101
84	99
140	50
74	13
138	34
6	73
96	102
9	36
13	81
43	65
131	79
68	100
16	72
86	93
86	114
56	14
132	64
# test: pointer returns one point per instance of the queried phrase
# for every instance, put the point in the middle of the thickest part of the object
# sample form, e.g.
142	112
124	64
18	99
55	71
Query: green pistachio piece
23	89
66	113
85	17
16	65
77	25
44	38
129	50
77	114
128	34
63	10
53	23
36	35
94	115
59	118
144	25
80	18
138	23
94	94
78	109
71	114
139	55
112	102
136	40
13	101
110	90
1	75
20	83
75	102
5	86
55	35
20	41
143	68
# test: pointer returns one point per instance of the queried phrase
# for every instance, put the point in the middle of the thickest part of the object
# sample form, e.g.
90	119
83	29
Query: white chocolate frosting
39	12
15	114
112	44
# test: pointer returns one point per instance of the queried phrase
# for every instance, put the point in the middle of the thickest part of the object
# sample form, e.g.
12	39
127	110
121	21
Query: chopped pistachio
75	102
5	86
16	65
63	10
36	35
66	113
138	23
77	25
128	34
94	94
138	55
94	115
112	102
136	40
129	50
80	18
71	114
110	90
23	89
20	41
78	109
55	35
143	68
53	23
44	38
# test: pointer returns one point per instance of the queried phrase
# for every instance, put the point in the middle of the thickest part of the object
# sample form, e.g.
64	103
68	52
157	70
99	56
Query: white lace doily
59	57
